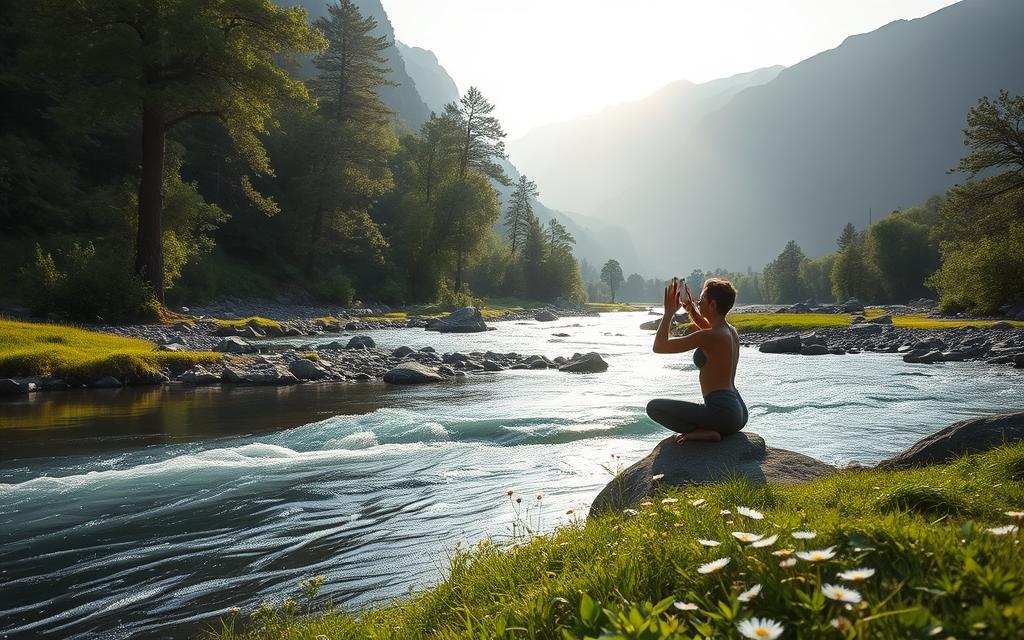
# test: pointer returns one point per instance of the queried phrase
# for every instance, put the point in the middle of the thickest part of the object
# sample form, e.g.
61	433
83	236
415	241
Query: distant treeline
176	151
965	247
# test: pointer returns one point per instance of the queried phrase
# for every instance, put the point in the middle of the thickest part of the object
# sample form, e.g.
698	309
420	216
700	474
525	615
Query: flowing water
148	513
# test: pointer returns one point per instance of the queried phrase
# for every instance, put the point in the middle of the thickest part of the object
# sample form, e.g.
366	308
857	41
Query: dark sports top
699	358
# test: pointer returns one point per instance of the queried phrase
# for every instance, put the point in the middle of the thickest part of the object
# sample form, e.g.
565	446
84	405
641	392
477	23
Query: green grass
77	355
253	321
617	306
924	532
752	322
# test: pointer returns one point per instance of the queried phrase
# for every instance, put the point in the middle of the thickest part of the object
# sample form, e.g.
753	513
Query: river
147	513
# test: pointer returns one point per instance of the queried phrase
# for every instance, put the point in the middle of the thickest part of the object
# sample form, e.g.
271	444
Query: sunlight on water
161	538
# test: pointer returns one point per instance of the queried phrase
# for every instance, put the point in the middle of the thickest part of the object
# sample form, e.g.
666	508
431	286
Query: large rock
743	454
233	344
973	435
199	375
305	369
587	363
814	350
360	342
10	386
464	320
884	319
545	316
412	373
786	344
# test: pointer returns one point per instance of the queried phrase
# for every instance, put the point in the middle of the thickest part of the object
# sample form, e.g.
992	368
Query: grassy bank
752	322
945	558
61	351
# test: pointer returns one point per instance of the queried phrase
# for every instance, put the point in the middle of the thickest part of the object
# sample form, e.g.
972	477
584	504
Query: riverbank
883	554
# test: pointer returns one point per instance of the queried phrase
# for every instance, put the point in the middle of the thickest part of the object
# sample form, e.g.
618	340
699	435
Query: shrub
335	288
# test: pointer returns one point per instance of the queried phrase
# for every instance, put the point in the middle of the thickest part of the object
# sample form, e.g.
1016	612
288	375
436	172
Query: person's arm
691	310
662	342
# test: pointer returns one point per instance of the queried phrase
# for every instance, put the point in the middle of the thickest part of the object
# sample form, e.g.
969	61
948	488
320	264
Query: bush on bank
931	552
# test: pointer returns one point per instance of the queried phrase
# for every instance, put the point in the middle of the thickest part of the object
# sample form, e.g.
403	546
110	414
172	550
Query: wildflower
646	503
519	499
856	575
766	542
1016	515
669	500
709	543
234	611
697	502
842	594
804	535
1002	531
685	606
760	629
817	555
657	477
787	563
842	623
540	496
630	512
783	553
750	513
749	594
509	493
725	512
713	566
743	536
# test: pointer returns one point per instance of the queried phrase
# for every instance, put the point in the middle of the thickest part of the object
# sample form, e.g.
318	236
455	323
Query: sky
542	61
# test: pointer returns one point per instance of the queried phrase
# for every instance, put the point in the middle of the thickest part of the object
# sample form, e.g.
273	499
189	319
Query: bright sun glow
541	61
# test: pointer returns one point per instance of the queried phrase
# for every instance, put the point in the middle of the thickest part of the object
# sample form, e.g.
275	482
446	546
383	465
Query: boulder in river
412	373
401	352
360	342
743	454
107	382
233	344
786	344
651	325
464	320
973	435
198	376
545	315
591	362
305	369
10	386
814	350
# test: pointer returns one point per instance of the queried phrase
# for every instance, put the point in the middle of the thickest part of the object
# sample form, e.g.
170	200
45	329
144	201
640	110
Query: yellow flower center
761	632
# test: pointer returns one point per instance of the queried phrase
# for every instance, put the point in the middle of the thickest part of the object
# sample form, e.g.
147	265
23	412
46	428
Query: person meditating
717	353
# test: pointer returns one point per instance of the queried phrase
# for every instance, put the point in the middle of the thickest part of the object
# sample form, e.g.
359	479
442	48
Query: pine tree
519	211
482	138
558	235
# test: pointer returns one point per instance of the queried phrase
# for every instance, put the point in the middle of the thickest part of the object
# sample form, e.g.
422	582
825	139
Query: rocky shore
999	344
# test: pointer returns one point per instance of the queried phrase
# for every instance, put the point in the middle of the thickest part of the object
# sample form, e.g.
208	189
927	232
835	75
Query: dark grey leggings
723	411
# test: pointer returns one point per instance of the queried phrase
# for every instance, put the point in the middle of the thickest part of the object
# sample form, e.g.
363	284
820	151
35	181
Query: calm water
147	513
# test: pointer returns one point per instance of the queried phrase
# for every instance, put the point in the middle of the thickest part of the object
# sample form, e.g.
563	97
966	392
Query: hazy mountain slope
585	161
433	83
402	99
874	123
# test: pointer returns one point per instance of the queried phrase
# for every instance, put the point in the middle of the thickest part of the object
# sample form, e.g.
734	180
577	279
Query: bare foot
699	435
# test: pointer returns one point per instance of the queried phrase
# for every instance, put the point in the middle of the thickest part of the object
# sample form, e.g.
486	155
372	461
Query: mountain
596	240
583	162
403	99
873	124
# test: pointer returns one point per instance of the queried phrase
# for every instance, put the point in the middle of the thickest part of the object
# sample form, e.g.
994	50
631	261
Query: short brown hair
722	293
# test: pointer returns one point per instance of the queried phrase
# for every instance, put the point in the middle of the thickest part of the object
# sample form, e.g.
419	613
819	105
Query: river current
149	512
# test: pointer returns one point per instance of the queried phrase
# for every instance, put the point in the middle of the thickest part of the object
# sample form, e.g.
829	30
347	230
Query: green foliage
84	286
449	299
853	273
924	499
816	277
904	256
980	276
936	571
782	275
611	275
334	288
520	210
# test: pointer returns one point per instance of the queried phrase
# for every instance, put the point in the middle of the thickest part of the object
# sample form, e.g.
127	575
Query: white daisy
725	512
766	542
1002	531
749	594
685	606
713	566
804	535
840	593
783	553
698	502
787	563
646	503
856	575
743	536
1016	515
669	500
657	477
708	543
750	513
760	629
630	512
817	555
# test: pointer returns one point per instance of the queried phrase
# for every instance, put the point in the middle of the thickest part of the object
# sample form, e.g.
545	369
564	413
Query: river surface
147	513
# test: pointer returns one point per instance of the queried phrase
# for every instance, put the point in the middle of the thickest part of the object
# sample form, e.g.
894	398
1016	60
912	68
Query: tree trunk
149	251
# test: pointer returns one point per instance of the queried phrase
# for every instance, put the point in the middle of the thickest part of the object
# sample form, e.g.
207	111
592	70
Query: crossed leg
689	419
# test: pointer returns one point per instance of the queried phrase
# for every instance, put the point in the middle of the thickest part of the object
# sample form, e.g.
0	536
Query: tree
519	211
472	206
481	133
851	271
903	255
535	252
162	64
782	275
816	276
611	275
558	236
